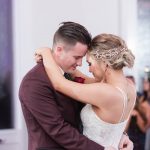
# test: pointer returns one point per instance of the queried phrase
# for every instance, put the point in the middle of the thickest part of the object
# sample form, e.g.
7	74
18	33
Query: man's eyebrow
78	56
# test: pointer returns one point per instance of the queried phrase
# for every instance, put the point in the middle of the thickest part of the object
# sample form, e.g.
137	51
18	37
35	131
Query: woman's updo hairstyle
113	50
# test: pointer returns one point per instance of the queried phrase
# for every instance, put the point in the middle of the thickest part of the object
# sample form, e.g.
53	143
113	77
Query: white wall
35	22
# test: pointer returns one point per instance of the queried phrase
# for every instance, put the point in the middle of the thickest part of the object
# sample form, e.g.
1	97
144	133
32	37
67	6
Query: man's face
71	57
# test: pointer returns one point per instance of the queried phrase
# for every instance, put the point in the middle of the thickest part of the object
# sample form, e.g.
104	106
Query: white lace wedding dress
103	133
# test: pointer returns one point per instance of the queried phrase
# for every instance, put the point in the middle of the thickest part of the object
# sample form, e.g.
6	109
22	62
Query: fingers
40	52
124	142
129	147
38	58
126	145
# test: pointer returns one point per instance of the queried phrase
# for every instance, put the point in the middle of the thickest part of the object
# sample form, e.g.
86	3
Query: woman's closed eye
89	64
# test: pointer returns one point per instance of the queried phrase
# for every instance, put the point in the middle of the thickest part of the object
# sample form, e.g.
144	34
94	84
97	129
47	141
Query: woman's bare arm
140	122
86	93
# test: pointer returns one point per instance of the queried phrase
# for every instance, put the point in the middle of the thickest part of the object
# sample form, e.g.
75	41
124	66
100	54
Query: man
53	119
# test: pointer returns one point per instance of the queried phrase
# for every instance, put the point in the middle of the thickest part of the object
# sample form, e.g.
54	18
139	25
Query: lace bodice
103	133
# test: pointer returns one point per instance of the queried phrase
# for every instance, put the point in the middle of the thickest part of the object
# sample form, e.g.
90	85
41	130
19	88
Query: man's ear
58	50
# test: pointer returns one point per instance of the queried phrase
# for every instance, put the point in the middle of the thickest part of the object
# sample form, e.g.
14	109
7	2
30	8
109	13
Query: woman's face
96	68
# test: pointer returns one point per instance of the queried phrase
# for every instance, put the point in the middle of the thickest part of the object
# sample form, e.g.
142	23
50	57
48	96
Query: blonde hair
113	50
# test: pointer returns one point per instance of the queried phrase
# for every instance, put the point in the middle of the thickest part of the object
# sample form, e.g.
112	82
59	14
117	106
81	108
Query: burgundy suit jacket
52	118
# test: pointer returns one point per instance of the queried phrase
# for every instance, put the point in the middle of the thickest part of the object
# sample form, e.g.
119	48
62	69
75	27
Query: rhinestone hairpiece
109	54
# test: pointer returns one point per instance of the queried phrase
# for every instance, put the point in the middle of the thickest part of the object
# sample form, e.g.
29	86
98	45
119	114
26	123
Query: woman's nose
90	70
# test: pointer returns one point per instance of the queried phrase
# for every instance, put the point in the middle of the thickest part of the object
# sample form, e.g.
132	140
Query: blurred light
147	69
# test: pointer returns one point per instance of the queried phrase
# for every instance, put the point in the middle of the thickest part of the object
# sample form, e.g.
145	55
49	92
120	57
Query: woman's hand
38	58
39	53
134	113
125	143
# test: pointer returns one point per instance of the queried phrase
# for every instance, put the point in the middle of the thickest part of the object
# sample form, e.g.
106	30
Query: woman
110	100
138	124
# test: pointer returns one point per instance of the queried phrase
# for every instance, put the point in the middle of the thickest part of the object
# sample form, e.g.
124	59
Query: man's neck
57	62
61	70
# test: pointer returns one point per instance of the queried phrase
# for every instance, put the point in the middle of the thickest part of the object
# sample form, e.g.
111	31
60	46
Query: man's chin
71	71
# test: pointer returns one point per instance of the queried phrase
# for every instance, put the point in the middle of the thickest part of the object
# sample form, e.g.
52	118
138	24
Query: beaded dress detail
103	133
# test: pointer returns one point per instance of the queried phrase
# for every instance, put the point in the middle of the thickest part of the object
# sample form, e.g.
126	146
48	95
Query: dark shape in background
6	65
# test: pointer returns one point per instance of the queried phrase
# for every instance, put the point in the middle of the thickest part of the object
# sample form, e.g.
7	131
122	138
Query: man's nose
79	62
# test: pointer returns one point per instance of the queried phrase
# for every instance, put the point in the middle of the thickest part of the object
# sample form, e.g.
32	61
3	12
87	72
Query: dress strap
124	103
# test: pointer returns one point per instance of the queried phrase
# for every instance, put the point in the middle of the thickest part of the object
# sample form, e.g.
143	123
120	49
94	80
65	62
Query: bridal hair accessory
108	54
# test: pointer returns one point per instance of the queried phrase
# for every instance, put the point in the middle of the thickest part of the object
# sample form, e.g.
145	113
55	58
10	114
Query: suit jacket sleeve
43	106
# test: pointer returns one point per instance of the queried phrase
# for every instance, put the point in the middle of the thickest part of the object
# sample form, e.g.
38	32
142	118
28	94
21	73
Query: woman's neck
115	77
